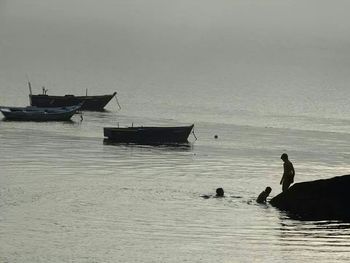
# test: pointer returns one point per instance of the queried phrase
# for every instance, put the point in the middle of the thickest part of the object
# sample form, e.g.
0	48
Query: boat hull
93	103
149	135
39	114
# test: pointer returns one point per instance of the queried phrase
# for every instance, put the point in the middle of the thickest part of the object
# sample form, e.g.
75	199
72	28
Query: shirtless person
219	193
264	194
288	173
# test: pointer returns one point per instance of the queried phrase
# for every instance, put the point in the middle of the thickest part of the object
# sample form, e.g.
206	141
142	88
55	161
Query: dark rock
327	199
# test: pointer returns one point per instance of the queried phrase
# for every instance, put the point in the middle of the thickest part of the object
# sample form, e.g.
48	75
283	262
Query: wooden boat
149	135
93	103
32	113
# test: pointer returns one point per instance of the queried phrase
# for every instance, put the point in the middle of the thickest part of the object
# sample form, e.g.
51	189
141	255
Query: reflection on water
327	239
160	146
61	189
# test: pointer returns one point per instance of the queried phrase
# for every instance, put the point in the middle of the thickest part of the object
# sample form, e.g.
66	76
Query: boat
149	135
92	103
32	113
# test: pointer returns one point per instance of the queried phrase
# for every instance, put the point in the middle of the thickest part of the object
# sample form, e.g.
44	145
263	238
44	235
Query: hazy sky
301	43
183	31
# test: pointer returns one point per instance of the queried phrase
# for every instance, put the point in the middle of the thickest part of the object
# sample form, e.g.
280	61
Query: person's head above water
284	156
268	190
219	192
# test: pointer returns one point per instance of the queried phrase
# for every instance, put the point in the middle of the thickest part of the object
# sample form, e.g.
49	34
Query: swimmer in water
263	195
219	193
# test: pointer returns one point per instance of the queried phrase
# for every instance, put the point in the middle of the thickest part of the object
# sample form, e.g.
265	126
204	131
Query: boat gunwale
149	128
68	96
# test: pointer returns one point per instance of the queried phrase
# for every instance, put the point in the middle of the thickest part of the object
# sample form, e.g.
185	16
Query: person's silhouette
263	195
219	192
288	173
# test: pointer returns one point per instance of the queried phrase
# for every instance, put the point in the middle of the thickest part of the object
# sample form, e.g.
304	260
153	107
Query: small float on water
149	135
326	199
32	113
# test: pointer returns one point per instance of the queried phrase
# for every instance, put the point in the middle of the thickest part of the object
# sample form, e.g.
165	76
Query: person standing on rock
288	172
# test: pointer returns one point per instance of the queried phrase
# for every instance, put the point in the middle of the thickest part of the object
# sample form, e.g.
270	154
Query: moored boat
32	113
93	103
149	135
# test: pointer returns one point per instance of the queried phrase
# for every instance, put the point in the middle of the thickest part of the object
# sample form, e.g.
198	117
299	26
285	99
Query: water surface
267	78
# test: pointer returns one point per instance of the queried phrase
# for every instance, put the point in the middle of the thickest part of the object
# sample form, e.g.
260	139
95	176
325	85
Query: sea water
264	78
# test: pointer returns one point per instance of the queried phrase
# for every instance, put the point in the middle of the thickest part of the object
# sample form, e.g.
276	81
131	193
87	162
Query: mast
30	92
30	88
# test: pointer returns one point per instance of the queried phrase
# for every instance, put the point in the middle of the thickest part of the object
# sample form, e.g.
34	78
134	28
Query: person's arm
261	198
293	172
284	173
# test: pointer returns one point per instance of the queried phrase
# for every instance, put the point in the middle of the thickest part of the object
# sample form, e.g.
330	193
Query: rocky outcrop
327	199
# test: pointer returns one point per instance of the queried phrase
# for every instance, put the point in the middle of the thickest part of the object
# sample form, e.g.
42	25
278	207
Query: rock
327	199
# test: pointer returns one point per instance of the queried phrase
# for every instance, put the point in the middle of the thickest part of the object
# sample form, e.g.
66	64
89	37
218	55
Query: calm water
249	73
